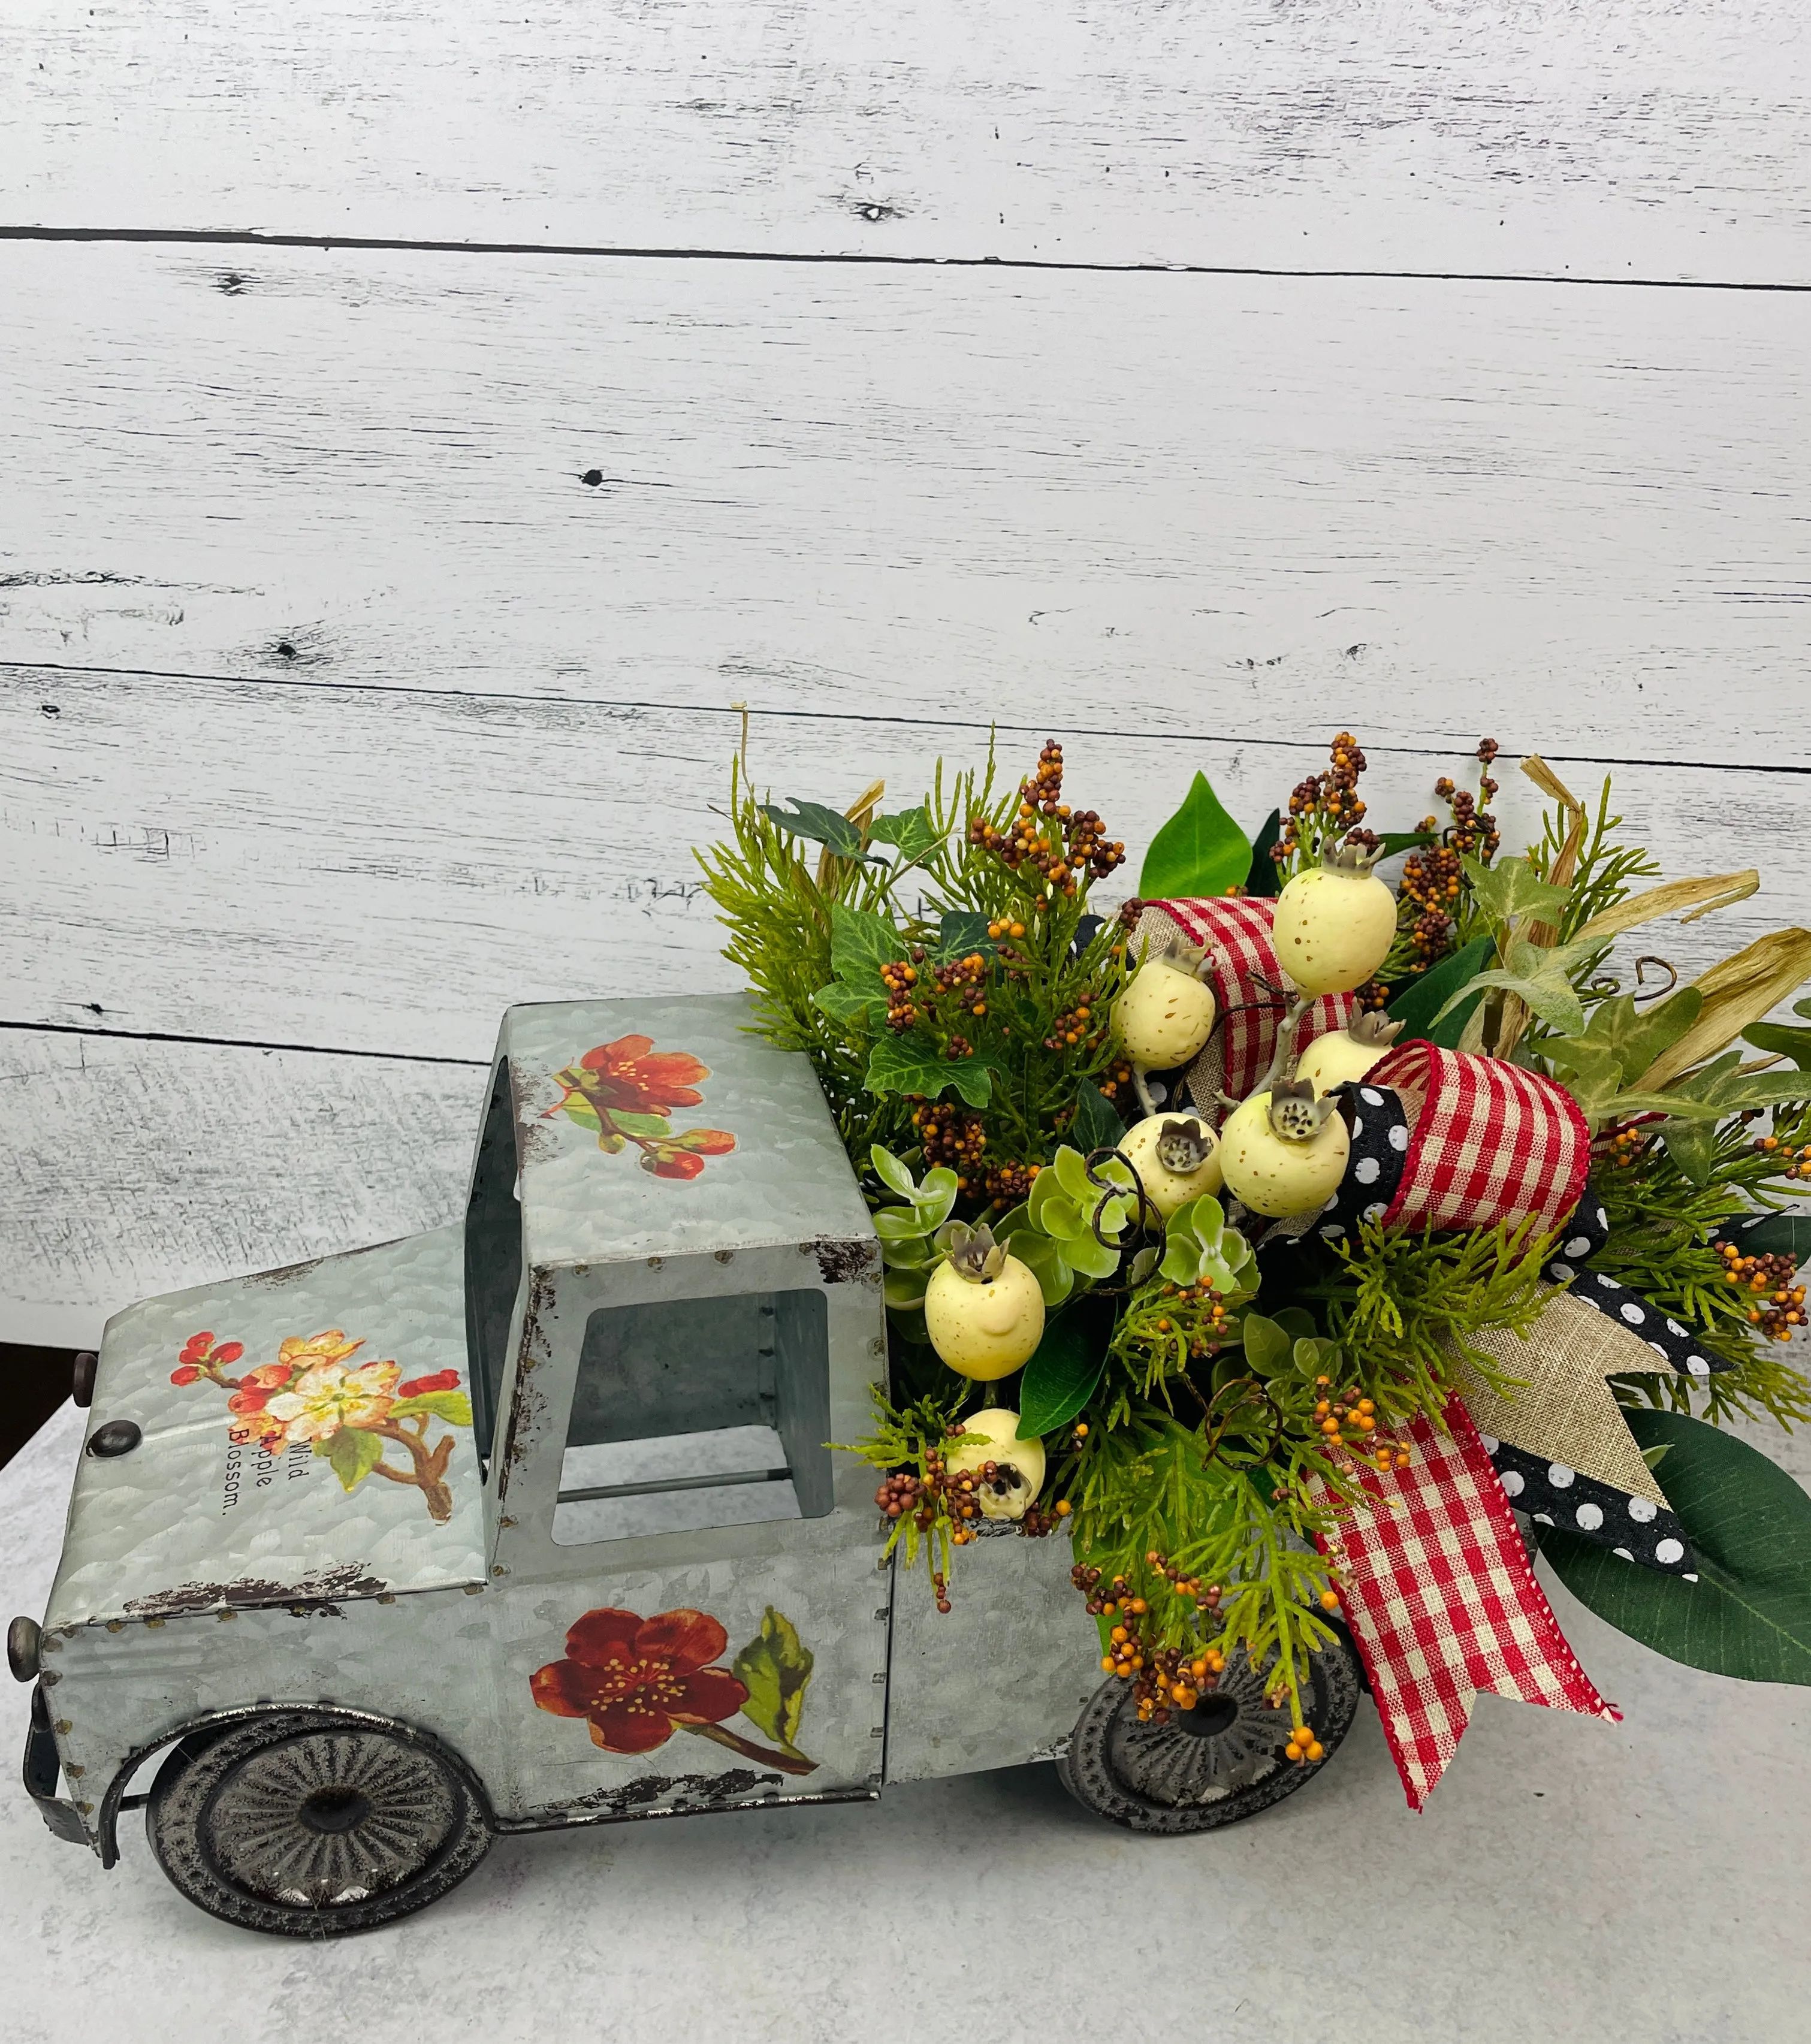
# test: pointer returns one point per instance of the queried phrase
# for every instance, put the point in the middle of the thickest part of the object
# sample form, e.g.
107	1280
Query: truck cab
528	1521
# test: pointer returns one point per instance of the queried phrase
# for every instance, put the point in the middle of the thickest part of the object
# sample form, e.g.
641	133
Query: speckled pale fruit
988	1329
1333	930
1002	1445
1276	1178
1166	1190
1335	1060
1163	1017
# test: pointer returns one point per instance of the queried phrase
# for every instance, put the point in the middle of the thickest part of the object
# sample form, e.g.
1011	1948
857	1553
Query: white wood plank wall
370	615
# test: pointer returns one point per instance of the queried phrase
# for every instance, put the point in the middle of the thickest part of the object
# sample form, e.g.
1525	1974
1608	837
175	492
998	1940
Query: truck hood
305	1438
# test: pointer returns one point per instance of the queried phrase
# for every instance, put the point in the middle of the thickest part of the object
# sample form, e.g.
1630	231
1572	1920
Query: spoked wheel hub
1221	1761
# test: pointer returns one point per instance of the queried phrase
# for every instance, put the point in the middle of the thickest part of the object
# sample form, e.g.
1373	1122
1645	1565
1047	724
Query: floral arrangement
1281	1233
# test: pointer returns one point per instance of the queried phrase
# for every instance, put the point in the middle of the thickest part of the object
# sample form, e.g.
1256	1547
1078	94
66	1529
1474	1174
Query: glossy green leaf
1096	1125
892	1173
903	1289
1039	1256
1415	1006
1201	850
1389	842
775	1668
1268	1347
1060	1378
1749	1613
1773	1234
1263	882
901	1224
936	1195
1781	1040
352	1454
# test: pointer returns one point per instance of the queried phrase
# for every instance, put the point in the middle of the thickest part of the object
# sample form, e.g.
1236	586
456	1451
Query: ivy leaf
352	1454
1201	850
1773	1234
823	826
1541	975
1509	892
1631	1038
1060	1377
1415	1006
911	1064
911	833
962	931
846	1004
775	1669
1749	1613
454	1407
1782	1039
1096	1125
1263	882
860	944
1721	1089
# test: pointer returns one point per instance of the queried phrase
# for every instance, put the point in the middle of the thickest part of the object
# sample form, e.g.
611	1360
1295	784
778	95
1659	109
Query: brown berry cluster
1056	843
1473	828
1623	1146
1431	883
1792	1163
1349	1426
900	981
1038	1524
1779	1305
952	1136
1130	912
1163	1678
1325	808
1075	1027
1201	1314
897	1495
1006	1183
963	980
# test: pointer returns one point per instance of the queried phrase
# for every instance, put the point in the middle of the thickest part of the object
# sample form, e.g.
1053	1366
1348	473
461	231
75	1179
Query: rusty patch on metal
316	1596
847	1263
699	1792
288	1274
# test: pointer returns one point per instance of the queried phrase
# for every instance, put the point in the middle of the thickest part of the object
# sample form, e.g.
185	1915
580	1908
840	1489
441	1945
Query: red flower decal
638	1680
631	1074
186	1373
442	1380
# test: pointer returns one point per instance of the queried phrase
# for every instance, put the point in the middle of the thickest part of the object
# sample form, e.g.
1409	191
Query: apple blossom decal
349	1413
626	1092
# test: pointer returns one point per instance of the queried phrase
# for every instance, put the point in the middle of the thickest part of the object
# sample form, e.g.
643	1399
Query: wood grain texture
131	1168
383	872
1152	502
1625	139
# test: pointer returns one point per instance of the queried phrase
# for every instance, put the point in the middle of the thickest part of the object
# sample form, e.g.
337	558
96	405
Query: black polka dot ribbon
1582	1236
1378	1127
1553	1495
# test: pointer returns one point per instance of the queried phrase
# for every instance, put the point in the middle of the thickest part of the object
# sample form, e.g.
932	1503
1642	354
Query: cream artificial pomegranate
1019	1470
1167	1014
983	1309
1343	1056
1177	1159
1334	924
1282	1151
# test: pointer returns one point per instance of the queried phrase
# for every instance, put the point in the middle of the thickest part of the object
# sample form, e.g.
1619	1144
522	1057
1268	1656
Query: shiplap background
1187	379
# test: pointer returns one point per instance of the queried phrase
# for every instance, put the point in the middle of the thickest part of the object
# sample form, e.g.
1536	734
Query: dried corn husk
1717	890
860	812
1738	991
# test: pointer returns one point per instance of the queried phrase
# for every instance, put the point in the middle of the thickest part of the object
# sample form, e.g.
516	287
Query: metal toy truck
531	1521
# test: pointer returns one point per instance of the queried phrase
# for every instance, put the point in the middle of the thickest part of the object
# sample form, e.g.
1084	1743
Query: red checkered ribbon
1249	984
1488	1141
1442	1602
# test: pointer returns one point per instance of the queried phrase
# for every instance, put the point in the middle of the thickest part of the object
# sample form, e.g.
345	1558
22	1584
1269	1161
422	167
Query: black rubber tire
307	1823
1211	1766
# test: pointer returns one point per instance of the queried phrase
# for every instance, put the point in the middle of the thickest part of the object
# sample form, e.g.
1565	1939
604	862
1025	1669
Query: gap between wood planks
281	683
236	238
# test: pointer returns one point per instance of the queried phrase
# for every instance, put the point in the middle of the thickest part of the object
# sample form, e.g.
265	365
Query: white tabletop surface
1640	1882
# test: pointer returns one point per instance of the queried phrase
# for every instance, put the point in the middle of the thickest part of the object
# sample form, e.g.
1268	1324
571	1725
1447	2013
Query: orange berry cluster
1325	806
900	981
1203	1311
1003	926
1057	842
1303	1747
1076	1027
1792	1163
1115	1082
1624	1146
1780	1306
1163	1678
1036	1523
1006	1183
1347	1422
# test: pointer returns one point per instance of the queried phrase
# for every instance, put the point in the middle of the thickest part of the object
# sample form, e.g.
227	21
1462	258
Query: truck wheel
1212	1765
309	1824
